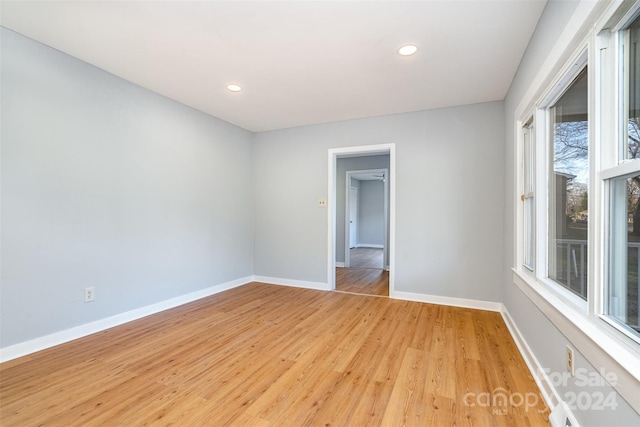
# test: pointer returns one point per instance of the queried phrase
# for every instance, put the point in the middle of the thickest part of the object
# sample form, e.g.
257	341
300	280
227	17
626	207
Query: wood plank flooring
365	276
367	281
265	355
366	257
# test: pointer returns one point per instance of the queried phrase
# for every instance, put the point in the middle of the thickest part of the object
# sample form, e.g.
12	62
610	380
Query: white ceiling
372	176
299	62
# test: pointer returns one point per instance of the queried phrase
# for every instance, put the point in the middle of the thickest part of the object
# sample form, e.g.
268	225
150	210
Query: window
578	177
622	297
569	187
630	41
529	240
622	183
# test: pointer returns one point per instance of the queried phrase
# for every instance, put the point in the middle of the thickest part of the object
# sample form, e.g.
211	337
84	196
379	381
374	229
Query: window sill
551	288
565	296
599	342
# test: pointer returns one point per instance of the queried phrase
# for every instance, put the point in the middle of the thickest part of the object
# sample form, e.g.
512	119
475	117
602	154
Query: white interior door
353	217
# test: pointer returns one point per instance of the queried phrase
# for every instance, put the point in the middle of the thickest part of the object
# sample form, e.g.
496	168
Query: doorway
366	217
366	222
371	276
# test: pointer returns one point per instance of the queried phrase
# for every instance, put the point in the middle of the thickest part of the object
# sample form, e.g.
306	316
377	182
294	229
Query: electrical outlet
322	203
89	294
570	367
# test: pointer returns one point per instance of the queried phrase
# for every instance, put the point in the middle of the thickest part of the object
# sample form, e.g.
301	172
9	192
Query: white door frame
347	225
365	150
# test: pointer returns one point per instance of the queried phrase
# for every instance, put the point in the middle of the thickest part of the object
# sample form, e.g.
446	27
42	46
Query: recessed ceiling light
234	88
408	49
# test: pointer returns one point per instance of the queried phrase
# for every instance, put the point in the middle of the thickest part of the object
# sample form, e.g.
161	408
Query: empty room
320	213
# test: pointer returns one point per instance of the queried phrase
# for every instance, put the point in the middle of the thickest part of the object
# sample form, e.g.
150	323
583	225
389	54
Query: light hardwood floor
366	257
365	276
367	281
265	355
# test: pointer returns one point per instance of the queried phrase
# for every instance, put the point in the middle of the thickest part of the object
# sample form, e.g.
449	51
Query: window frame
631	168
544	140
528	133
579	66
615	163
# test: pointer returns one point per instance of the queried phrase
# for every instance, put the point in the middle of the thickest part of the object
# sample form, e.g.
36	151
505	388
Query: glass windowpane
529	204
632	49
568	192
622	293
529	233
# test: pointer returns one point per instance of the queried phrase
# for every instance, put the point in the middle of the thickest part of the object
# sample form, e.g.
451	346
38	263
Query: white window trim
620	328
628	167
519	181
596	338
529	192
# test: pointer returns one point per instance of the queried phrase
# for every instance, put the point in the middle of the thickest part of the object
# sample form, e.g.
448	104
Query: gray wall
106	184
342	166
449	205
545	340
371	213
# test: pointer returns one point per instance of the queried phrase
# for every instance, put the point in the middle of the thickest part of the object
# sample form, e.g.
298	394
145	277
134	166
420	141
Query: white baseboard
549	392
369	245
320	286
455	302
562	416
31	346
